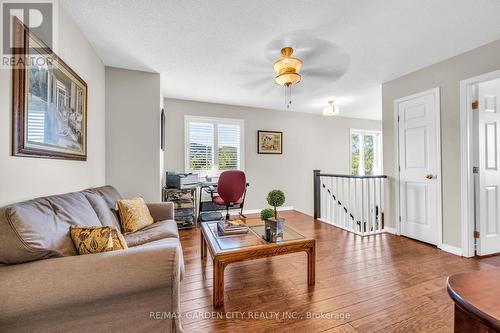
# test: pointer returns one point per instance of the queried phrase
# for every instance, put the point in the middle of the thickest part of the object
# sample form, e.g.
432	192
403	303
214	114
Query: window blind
214	145
228	146
201	146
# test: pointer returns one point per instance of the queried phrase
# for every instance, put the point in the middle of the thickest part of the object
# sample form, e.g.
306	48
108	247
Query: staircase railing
353	203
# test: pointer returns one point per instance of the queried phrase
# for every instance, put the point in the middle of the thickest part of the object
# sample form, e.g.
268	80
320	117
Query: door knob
429	176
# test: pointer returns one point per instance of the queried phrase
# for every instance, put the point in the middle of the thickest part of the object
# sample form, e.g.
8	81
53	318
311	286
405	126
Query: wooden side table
477	301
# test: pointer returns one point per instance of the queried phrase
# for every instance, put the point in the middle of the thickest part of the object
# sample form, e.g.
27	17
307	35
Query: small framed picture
269	142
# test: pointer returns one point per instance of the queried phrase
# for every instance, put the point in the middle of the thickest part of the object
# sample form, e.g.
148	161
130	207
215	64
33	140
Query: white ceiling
214	50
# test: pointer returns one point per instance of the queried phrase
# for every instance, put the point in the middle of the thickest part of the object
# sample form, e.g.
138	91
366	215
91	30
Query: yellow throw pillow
119	242
134	214
91	239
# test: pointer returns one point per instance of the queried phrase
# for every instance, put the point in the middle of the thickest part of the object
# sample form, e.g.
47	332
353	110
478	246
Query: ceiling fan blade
256	83
262	86
298	40
261	72
331	74
308	49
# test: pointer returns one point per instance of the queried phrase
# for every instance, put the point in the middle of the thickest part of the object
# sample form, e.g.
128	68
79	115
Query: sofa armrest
161	211
89	279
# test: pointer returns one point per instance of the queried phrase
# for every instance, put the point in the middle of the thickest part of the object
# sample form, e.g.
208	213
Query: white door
488	186
420	166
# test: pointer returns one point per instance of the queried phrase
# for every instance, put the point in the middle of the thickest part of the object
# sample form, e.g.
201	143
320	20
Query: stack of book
231	227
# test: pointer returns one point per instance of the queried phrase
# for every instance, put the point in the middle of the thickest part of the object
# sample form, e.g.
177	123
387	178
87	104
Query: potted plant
266	213
276	198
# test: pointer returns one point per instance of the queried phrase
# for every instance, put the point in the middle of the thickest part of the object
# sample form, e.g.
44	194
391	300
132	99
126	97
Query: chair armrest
88	279
211	190
161	211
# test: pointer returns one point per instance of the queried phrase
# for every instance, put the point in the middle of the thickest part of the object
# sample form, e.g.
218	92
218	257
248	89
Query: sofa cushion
108	193
153	232
110	196
134	214
106	215
39	228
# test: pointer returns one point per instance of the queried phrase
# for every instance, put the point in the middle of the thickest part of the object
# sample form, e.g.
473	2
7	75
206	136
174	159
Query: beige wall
24	177
309	142
447	76
133	154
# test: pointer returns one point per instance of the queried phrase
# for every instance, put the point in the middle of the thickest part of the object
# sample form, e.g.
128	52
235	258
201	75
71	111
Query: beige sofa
45	286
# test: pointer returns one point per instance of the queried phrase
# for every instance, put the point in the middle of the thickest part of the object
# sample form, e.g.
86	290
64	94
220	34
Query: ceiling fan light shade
331	110
287	68
286	65
287	79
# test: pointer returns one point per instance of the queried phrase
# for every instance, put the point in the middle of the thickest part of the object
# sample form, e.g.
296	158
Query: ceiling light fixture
331	110
287	73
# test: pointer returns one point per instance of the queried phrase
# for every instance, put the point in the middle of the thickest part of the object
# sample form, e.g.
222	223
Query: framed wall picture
269	142
162	130
49	102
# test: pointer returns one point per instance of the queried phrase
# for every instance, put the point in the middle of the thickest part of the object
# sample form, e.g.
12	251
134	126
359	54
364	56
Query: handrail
350	176
353	203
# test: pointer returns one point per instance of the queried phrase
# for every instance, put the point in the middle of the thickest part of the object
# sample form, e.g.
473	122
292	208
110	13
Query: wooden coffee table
228	249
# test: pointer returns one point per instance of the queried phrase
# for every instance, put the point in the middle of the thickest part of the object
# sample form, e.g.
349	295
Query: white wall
309	142
133	154
25	177
447	76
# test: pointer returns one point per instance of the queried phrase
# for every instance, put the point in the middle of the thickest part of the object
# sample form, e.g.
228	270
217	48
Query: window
213	145
366	152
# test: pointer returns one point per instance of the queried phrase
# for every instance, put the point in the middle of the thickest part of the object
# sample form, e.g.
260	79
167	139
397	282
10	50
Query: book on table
231	227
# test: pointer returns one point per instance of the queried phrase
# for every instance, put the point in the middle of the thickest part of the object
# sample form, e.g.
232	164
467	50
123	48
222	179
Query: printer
182	180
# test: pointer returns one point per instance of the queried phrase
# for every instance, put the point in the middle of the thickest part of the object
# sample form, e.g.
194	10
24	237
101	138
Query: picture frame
269	142
162	130
49	102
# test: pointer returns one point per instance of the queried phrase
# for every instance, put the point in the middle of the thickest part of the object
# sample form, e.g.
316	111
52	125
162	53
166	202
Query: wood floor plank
384	283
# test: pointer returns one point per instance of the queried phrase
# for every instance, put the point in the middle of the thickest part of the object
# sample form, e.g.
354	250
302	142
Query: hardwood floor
381	283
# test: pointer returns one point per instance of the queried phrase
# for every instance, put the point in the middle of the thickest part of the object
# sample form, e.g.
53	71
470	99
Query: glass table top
253	237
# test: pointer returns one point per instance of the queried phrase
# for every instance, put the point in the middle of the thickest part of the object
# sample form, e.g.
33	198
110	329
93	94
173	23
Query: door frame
437	107
466	160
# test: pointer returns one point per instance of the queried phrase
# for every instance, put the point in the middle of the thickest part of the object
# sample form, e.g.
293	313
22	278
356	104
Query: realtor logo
37	17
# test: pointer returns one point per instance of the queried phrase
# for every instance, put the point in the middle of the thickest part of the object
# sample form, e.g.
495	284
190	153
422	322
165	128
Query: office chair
231	189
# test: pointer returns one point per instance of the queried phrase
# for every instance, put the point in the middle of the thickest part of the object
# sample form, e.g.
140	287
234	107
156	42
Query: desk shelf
185	210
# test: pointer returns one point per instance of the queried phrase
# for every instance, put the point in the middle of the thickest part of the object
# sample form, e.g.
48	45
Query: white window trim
215	172
380	165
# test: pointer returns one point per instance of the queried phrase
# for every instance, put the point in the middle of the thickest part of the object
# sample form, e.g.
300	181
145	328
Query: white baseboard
303	212
390	230
451	249
257	211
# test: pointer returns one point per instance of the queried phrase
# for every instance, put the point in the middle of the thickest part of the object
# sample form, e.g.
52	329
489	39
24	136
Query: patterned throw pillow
119	242
134	214
97	239
91	239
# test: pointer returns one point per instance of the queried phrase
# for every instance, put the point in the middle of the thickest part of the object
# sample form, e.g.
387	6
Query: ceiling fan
300	62
287	72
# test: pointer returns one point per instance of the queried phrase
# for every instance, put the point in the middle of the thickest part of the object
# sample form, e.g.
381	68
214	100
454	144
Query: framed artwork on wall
162	131
269	142
49	102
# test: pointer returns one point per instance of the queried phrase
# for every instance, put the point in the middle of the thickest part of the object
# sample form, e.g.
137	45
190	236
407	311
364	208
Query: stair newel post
317	194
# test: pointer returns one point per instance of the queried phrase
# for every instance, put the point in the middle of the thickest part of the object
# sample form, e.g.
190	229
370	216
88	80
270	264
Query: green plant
266	213
276	198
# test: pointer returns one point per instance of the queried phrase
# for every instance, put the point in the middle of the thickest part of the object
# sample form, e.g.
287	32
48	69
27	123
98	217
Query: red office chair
231	189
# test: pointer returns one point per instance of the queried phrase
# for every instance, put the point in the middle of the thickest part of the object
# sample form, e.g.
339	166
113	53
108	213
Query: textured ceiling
218	51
